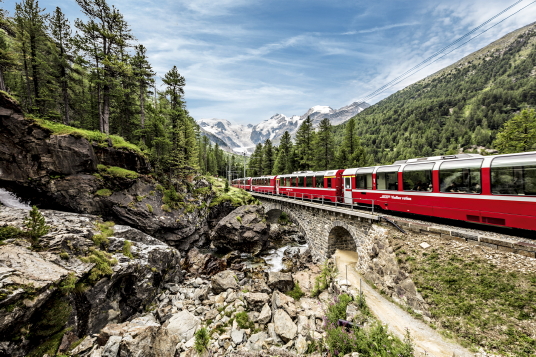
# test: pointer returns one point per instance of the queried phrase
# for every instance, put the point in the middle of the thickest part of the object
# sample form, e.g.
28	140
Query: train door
277	186
348	190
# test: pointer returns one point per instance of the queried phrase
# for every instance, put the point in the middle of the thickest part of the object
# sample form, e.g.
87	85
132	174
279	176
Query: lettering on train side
393	197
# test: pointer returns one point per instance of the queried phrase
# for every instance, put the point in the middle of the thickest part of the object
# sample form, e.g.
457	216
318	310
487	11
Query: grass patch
480	304
326	276
68	284
243	321
202	339
117	172
9	232
126	249
104	192
149	208
296	293
91	135
103	264
105	229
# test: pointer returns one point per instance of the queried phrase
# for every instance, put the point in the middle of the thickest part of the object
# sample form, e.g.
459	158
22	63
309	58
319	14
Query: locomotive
497	190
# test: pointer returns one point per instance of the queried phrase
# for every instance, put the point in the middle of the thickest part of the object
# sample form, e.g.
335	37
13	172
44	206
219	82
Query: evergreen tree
143	75
268	158
283	163
324	146
7	55
518	134
304	145
351	152
255	163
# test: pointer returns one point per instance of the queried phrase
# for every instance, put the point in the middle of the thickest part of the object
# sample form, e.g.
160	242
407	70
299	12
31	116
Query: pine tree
7	56
255	163
35	225
518	134
304	145
143	75
324	146
351	152
283	163
268	158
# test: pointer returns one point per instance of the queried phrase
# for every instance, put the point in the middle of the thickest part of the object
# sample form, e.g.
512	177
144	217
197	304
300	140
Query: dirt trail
427	341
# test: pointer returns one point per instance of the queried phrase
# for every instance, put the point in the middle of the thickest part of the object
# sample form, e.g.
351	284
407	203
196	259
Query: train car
235	183
244	183
264	184
497	190
320	185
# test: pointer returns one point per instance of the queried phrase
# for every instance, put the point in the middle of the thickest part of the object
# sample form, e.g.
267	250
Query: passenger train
496	190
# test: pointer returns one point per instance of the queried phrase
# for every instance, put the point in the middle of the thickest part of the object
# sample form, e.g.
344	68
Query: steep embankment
85	172
459	107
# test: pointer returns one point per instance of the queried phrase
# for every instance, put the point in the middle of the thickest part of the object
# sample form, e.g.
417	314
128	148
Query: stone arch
275	209
340	237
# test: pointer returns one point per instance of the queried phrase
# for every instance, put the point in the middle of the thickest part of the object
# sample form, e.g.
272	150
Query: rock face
62	172
244	229
385	273
57	287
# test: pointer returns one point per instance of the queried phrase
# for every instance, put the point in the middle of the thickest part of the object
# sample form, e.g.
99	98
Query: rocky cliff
69	286
70	173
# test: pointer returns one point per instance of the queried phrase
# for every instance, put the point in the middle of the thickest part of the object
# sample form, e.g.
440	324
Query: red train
498	190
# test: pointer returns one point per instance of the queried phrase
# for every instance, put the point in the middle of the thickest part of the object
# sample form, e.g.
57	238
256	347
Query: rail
327	201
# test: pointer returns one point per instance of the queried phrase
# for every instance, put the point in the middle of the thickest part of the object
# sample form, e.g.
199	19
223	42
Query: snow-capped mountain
240	138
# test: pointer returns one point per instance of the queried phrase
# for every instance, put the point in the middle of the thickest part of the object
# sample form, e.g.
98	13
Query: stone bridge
326	227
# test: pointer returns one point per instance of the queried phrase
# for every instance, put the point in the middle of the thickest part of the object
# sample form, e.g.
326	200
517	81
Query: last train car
497	190
319	185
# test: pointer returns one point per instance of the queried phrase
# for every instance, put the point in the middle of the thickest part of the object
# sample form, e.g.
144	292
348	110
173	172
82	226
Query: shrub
64	256
243	321
120	172
35	225
149	207
296	293
202	339
105	229
283	219
8	232
126	249
166	208
104	192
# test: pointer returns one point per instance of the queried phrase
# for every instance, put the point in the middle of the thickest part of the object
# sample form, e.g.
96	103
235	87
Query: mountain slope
244	137
457	108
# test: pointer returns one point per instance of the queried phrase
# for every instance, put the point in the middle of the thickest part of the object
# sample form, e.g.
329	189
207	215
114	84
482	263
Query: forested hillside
92	74
463	105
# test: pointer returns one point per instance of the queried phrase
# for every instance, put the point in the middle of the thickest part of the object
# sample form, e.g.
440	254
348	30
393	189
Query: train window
460	176
300	181
363	179
328	183
319	181
514	175
387	178
418	177
348	182
309	181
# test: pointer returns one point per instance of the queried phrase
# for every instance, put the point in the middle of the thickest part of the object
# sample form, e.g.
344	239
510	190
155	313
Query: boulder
301	345
266	315
111	349
237	336
284	327
243	230
280	281
256	301
224	280
256	341
183	324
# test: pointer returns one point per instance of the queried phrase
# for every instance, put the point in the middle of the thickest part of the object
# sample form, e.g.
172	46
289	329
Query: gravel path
428	342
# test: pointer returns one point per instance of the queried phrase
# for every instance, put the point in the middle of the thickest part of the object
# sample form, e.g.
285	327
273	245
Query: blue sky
246	60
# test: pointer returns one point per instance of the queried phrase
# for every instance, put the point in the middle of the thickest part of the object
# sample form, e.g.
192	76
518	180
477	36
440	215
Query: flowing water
8	199
274	258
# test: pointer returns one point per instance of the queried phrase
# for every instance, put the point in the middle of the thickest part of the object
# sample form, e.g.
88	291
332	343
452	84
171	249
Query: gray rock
255	342
301	345
237	336
266	315
283	325
256	301
224	280
183	324
280	281
112	346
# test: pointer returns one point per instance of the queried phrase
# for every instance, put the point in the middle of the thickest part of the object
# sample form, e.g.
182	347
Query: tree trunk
106	109
142	112
2	83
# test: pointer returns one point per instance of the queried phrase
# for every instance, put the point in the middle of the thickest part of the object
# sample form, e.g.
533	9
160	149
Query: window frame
524	161
420	167
384	170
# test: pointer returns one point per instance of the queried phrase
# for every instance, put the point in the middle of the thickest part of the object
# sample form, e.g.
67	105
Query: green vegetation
296	293
243	321
236	196
476	302
106	230
9	232
166	208
104	192
91	135
117	172
103	264
518	134
371	341
68	284
35	226
64	255
126	249
239	219
202	339
326	276
149	208
283	219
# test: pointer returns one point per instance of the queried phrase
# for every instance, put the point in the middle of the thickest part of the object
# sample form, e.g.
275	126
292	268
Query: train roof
311	173
270	177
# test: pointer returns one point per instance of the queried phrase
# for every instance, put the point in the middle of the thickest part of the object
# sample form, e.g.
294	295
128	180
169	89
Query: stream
9	199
